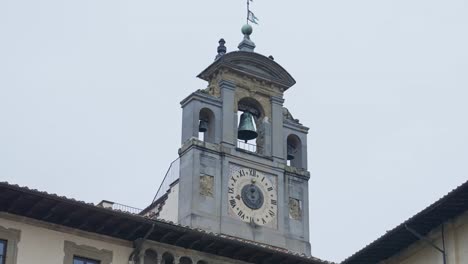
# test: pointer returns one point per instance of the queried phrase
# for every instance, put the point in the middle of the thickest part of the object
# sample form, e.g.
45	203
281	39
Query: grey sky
90	92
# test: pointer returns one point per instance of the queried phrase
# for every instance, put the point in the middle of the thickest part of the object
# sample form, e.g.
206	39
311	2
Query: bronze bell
290	152
203	126
246	129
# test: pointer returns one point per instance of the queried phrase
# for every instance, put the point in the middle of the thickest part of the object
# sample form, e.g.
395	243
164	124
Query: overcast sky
90	92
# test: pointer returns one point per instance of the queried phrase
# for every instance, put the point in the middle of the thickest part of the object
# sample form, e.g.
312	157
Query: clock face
252	196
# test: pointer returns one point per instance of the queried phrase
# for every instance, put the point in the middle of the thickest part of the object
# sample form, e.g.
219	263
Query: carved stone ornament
295	210
288	116
252	64
206	185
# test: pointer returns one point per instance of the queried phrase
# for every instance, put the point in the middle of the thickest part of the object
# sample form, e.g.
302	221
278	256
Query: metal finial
221	49
247	30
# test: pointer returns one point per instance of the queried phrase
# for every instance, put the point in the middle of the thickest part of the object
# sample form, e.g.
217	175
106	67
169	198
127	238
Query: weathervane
247	44
250	15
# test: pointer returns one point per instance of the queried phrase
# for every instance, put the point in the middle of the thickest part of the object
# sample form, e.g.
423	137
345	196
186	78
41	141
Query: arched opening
251	130
185	260
167	258
206	126
151	257
294	151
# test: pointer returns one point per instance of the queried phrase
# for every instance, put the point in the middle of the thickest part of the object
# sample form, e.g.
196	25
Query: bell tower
243	159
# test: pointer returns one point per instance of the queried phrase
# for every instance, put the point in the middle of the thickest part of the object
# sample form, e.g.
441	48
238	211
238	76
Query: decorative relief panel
295	209
206	185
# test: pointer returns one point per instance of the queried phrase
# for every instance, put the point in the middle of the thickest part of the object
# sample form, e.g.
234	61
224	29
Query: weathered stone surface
295	210
206	185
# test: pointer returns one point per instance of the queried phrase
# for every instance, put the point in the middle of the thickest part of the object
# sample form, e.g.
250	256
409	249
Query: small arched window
294	151
167	258
206	127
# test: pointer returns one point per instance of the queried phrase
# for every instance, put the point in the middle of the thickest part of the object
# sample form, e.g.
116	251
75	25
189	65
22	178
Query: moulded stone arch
252	105
185	260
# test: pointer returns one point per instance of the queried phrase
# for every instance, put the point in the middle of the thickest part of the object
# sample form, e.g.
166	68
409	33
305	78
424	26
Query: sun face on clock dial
252	196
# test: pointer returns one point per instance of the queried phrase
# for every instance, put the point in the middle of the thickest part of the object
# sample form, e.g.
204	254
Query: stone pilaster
229	130
277	127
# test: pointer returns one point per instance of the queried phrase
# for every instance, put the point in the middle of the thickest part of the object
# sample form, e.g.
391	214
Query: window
3	245
83	254
80	260
9	239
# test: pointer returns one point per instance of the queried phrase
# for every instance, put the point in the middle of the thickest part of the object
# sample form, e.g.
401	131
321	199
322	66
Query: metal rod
412	231
248	11
138	244
443	244
164	180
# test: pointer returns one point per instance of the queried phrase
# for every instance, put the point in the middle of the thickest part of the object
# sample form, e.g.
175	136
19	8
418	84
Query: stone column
141	257
177	258
159	260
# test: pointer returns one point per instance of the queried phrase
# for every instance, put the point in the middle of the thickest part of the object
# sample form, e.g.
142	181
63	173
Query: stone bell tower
243	160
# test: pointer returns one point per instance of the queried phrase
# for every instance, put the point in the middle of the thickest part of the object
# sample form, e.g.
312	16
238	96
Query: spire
221	49
247	44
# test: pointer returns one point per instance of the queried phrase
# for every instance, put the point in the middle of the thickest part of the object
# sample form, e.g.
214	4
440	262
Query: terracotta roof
88	217
450	206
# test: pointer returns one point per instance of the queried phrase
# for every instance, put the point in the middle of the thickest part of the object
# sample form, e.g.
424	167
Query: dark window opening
81	260
167	258
295	157
206	126
3	246
185	260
